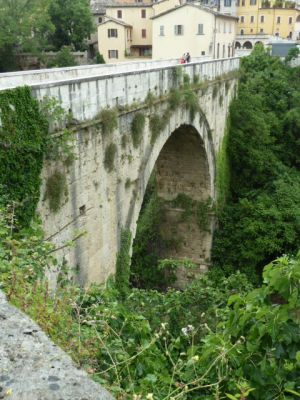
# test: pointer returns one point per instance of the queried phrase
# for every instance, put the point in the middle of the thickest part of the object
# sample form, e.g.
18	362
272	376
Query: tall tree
73	23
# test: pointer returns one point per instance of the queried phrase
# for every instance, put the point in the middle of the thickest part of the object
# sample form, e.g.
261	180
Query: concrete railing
19	78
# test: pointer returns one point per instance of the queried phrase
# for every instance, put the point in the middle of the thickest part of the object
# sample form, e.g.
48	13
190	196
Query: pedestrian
183	59
187	57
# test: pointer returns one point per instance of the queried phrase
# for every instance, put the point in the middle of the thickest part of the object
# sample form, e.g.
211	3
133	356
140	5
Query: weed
137	128
215	91
109	120
150	99
221	98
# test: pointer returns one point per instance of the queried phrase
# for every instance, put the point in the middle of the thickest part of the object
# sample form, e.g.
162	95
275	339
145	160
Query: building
199	30
260	20
126	31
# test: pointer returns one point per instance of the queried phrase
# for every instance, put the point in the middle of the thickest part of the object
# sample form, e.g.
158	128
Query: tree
25	25
73	23
64	58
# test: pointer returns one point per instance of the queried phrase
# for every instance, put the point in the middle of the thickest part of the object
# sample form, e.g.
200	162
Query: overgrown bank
261	218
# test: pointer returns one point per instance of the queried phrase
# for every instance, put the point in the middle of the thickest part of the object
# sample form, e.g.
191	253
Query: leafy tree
73	23
25	25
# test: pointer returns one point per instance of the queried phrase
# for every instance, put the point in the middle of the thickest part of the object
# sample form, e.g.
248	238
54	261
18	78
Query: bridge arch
184	162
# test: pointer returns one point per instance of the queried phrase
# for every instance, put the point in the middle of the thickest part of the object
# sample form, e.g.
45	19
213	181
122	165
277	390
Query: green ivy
23	140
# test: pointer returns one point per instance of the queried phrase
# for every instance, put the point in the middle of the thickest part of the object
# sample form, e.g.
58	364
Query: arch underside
184	188
182	170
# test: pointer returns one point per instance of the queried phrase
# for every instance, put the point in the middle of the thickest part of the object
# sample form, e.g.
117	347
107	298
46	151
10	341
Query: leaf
231	397
292	392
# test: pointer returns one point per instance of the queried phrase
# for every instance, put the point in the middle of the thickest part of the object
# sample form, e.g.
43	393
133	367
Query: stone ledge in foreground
33	368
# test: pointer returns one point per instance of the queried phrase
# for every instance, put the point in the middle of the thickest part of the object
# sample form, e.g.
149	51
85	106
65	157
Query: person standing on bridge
188	57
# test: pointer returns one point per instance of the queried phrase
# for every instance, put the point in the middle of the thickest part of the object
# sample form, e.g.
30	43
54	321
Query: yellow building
264	17
126	31
198	30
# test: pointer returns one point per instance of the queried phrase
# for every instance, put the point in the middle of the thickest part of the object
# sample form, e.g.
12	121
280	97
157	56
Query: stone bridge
105	185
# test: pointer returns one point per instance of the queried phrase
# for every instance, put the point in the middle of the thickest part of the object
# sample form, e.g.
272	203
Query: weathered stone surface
33	368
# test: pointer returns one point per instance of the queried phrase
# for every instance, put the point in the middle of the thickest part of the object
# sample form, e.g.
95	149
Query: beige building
126	31
194	29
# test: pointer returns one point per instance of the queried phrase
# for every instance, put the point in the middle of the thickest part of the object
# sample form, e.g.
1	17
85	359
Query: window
162	30
178	29
261	30
202	53
218	50
200	29
242	31
290	20
251	30
224	27
143	33
252	19
262	19
113	54
252	2
112	33
230	27
290	35
237	3
278	20
119	13
227	3
100	20
223	51
143	13
243	2
242	20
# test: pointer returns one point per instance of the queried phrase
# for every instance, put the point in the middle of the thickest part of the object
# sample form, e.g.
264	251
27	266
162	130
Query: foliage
109	120
137	128
56	189
174	99
64	58
72	20
99	58
149	100
174	345
109	157
123	264
261	219
156	124
292	54
23	141
19	20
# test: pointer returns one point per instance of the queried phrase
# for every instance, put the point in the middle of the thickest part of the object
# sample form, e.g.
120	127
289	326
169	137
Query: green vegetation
137	128
109	120
23	141
109	157
123	264
64	58
261	219
38	25
220	338
56	189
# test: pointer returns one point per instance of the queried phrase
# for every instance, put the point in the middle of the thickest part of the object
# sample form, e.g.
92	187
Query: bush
64	58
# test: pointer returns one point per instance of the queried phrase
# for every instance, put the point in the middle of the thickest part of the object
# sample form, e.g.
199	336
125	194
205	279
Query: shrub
174	99
64	58
123	264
